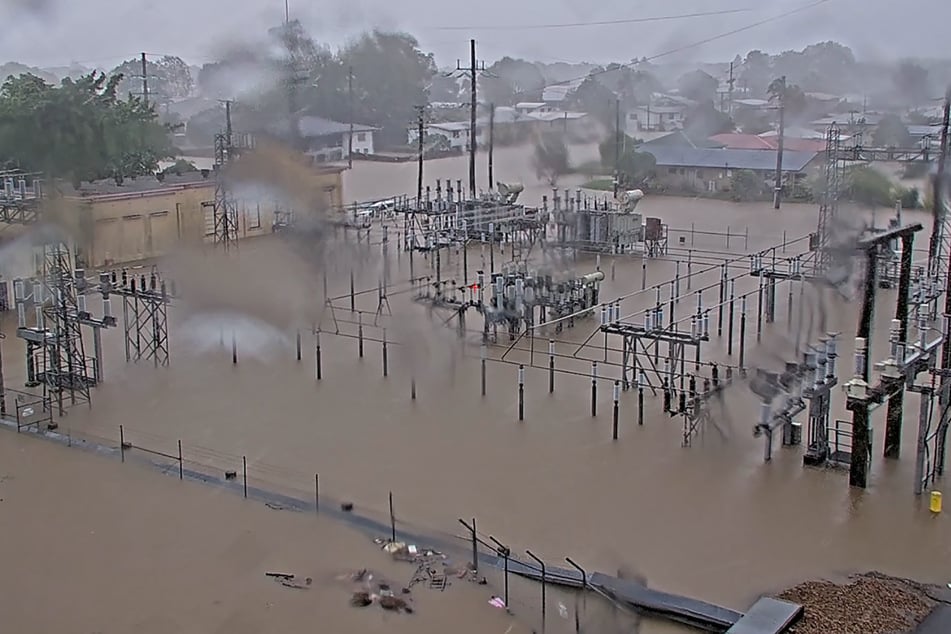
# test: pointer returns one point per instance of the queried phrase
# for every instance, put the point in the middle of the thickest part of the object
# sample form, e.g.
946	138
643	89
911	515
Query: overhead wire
567	25
686	47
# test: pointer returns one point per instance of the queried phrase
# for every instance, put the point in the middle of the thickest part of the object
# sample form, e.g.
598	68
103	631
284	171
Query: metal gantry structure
225	211
56	356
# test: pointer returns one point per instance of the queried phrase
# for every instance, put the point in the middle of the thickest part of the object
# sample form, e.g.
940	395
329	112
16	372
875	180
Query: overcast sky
101	32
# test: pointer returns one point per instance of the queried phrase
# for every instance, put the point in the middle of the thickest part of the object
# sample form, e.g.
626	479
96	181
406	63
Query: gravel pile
868	604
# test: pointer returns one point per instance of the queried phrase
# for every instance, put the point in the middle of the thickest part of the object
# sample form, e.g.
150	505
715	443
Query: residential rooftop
757	160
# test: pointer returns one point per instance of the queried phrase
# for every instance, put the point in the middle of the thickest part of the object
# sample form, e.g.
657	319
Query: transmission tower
63	364
225	210
829	203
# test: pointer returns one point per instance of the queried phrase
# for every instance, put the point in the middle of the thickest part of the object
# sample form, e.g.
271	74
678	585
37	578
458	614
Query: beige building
146	218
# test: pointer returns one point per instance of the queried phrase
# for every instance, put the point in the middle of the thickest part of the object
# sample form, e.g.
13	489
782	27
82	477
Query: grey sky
57	32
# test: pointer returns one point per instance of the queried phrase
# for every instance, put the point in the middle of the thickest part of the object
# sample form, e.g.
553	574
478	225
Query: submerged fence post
641	380
475	543
412	388
505	552
298	345
551	366
385	361
181	462
541	563
392	520
234	349
617	407
594	388
360	334
317	370
521	392
121	444
482	353
316	492
244	473
353	299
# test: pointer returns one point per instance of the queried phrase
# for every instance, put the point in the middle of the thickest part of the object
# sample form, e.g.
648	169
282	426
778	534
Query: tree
79	130
870	188
509	81
912	82
550	157
891	132
698	86
169	78
444	88
597	100
636	168
608	148
790	96
757	69
745	186
390	79
704	120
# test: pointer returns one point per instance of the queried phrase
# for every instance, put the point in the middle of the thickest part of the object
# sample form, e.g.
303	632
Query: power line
686	47
566	25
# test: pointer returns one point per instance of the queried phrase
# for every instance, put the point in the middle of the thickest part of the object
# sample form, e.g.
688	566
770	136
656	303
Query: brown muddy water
711	521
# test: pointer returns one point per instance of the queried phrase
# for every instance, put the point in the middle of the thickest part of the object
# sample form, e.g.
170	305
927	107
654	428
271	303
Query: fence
554	609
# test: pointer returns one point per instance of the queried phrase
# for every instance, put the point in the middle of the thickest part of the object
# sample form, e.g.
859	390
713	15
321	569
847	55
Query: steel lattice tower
225	211
829	202
64	365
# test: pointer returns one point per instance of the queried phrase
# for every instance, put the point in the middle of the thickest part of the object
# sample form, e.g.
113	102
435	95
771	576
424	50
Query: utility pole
350	100
420	131
937	210
777	195
730	93
491	143
287	12
618	140
145	81
472	70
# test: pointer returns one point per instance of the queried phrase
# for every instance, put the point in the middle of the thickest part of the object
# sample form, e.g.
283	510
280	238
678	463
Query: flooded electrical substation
682	499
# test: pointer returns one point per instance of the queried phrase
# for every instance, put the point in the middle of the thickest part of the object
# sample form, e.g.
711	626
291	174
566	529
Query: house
654	118
456	134
555	95
328	140
925	135
678	139
577	124
530	107
711	169
768	141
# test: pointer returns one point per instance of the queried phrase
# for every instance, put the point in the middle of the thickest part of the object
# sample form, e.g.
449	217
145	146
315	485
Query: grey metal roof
758	160
311	126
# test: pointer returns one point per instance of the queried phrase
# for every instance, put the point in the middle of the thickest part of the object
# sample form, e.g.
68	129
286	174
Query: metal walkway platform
699	614
767	616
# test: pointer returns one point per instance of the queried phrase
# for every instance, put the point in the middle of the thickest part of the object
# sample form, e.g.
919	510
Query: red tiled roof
754	142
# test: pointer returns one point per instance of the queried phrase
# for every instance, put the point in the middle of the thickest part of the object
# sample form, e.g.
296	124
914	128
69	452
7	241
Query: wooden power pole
777	194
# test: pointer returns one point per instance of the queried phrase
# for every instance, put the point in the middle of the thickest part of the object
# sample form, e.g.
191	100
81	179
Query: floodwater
710	520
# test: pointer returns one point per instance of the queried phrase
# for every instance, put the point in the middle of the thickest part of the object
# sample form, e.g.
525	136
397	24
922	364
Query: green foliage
636	168
891	132
915	169
79	130
746	186
597	100
181	166
169	78
704	120
608	148
909	197
912	82
600	184
698	86
870	187
550	157
509	81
